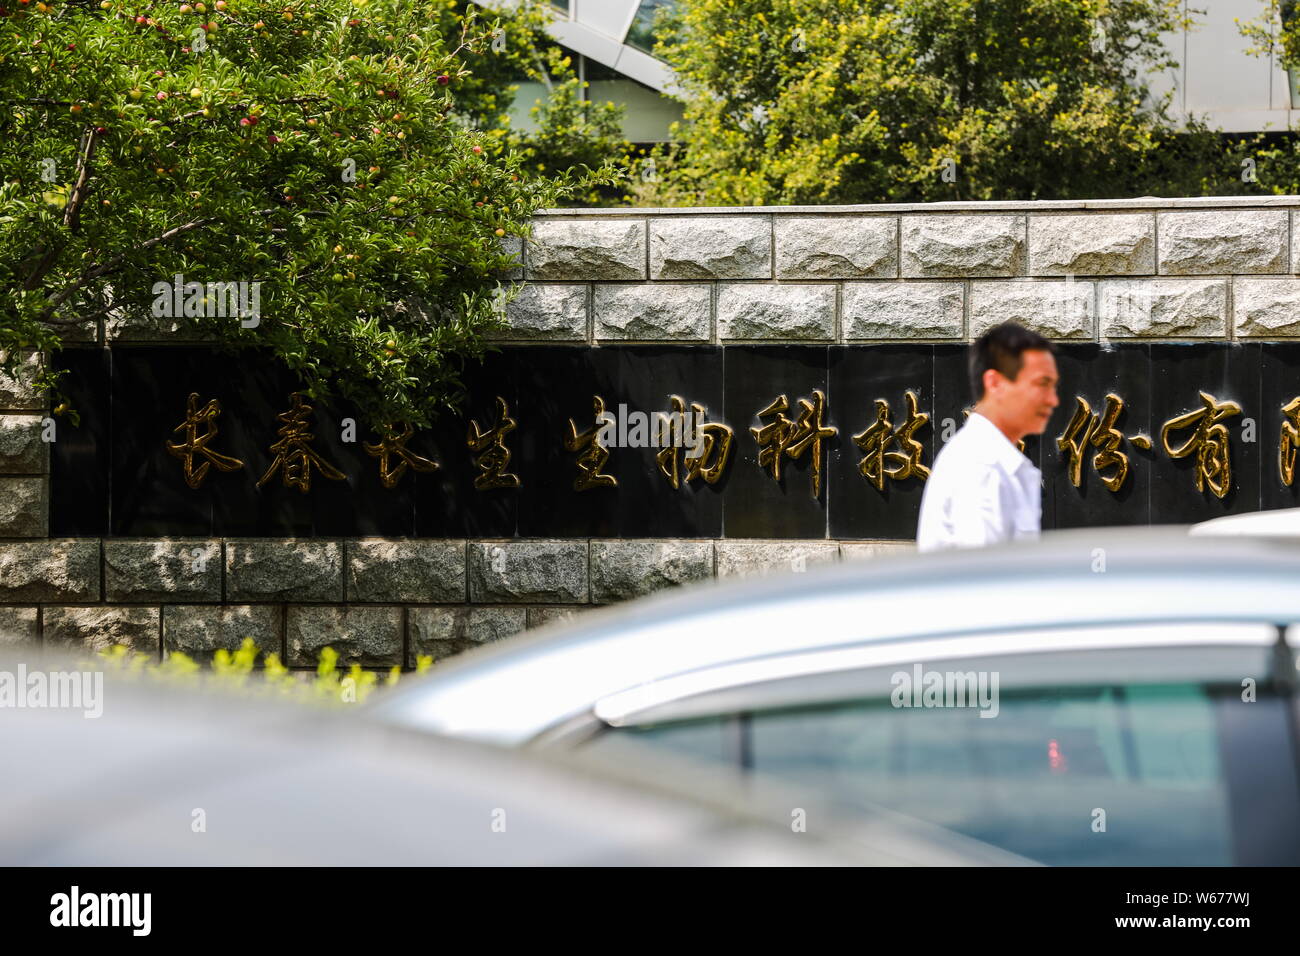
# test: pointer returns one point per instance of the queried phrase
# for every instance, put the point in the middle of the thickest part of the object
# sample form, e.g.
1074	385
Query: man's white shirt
982	490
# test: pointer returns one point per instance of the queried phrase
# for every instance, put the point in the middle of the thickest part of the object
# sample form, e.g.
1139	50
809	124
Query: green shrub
238	672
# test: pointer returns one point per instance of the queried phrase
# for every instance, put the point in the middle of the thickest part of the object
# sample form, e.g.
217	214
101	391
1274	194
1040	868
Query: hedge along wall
1117	274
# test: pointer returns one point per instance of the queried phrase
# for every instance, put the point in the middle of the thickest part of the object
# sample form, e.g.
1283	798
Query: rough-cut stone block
871	550
140	325
587	249
283	569
553	313
22	452
370	636
1222	240
1295	241
17	390
1164	308
407	571
751	558
903	310
173	569
63	569
18	626
1266	307
650	313
513	246
711	247
541	616
1058	310
836	247
101	626
199	631
1096	244
528	572
625	569
959	246
24	507
440	632
788	313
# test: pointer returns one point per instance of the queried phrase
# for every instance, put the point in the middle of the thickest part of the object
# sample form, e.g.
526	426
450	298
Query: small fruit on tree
277	220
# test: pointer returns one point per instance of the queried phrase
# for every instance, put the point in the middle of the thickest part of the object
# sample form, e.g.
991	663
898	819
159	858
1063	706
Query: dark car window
1115	774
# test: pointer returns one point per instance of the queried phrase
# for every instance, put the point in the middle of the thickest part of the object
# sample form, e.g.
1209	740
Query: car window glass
1110	774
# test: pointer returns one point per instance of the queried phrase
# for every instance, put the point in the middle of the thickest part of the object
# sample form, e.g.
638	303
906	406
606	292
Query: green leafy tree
823	101
332	154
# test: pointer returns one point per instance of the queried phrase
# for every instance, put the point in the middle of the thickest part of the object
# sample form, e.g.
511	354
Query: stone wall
378	602
1159	270
1218	269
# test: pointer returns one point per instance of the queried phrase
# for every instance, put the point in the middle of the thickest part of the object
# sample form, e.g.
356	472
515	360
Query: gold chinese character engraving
879	462
1086	428
1209	442
196	444
701	439
1289	441
493	455
793	438
593	454
392	445
294	456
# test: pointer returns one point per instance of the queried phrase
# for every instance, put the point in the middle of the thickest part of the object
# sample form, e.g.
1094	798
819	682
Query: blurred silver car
1097	697
153	776
1275	523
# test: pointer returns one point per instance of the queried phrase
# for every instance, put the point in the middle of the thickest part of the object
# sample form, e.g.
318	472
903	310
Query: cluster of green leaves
1275	32
330	150
239	672
823	101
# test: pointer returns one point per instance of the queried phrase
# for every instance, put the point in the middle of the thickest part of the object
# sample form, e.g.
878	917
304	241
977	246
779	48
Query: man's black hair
1002	348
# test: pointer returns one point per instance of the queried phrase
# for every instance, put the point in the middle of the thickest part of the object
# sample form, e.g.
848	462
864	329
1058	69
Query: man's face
1027	402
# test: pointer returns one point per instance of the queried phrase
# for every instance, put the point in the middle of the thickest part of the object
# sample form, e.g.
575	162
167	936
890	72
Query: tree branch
72	211
95	272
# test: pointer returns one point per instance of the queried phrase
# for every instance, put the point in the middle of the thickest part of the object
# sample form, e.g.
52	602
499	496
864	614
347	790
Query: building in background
1216	78
611	41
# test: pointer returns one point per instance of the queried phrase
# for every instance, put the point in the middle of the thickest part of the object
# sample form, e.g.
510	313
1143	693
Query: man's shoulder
965	449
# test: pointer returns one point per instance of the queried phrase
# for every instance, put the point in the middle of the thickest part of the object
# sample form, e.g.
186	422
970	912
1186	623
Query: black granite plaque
114	474
81	463
876	505
1226	374
448	503
649	505
759	505
1093	373
1280	388
558	386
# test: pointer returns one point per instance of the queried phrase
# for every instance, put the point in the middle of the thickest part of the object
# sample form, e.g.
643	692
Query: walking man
982	490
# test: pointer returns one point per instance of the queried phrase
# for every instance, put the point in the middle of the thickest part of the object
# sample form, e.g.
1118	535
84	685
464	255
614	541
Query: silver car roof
511	691
283	784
